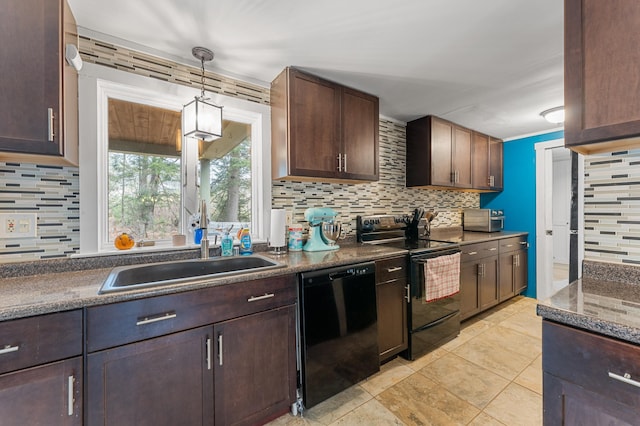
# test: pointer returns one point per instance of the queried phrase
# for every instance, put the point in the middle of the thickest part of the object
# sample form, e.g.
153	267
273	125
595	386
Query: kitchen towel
277	234
442	276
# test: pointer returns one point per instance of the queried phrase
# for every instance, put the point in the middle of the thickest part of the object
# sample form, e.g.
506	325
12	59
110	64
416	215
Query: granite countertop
47	292
605	302
468	237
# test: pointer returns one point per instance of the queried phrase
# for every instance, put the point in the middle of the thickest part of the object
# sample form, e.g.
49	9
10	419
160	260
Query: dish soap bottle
245	242
226	245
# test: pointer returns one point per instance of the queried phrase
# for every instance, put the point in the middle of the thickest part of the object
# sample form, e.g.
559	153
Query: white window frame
97	84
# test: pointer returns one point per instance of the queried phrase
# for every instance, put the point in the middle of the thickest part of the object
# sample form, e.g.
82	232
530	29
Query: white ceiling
491	65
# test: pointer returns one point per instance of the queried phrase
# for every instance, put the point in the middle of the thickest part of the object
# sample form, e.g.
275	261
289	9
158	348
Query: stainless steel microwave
483	220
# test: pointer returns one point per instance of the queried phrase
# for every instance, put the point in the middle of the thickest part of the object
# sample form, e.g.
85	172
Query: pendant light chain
202	78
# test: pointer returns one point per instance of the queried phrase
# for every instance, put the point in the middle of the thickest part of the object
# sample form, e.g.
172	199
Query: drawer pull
471	253
509	245
394	269
264	296
161	317
625	379
493	249
8	349
70	398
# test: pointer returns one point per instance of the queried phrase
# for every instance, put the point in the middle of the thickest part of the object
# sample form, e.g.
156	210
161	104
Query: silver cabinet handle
339	162
394	269
70	399
51	118
408	295
8	349
208	345
524	243
472	253
161	317
220	349
264	296
626	378
345	162
493	249
509	245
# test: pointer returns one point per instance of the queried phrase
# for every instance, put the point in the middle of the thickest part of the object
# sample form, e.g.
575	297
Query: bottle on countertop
226	245
245	241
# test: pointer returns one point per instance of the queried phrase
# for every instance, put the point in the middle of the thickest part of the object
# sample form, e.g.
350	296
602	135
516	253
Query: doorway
553	216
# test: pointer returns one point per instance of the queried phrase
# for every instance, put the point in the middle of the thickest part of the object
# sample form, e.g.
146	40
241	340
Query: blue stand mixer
324	230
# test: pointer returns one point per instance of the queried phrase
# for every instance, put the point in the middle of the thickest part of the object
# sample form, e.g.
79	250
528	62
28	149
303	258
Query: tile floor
491	374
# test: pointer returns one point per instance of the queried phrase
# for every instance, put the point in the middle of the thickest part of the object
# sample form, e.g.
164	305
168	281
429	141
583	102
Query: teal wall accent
518	199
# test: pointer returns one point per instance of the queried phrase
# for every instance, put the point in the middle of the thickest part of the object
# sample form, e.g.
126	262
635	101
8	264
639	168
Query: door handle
408	295
395	269
8	349
549	232
156	318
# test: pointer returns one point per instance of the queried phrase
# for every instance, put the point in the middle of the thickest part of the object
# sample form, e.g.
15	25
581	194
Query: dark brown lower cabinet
478	286
255	367
391	298
588	379
469	302
167	380
49	394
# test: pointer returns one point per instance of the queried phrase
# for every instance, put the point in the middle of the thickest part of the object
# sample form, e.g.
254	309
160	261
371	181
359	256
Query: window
148	179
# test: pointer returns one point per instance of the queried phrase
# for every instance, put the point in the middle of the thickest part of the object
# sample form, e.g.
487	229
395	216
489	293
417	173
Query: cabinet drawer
38	340
513	244
594	362
125	322
471	252
391	269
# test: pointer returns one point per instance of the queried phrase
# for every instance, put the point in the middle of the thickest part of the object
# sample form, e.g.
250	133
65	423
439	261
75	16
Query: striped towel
442	276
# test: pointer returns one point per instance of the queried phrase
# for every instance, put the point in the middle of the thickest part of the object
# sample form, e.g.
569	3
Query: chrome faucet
204	242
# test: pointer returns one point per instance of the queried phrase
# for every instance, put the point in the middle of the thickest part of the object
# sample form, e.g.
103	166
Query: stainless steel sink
133	277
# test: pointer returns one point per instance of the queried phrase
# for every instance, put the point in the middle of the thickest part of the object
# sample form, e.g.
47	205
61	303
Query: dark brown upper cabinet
601	78
321	130
486	155
444	155
39	102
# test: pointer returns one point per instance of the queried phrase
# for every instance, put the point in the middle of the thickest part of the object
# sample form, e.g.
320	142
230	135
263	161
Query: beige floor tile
289	420
531	377
483	419
371	413
517	405
493	357
425	359
526	322
468	331
390	374
514	341
421	401
337	406
466	380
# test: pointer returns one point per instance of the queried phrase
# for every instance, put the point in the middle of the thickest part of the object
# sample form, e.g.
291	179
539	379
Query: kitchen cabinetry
192	337
41	370
601	75
321	130
392	286
486	154
38	106
513	267
588	378
438	154
478	278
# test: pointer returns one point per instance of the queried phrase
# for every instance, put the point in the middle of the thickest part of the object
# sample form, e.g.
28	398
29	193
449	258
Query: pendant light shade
202	119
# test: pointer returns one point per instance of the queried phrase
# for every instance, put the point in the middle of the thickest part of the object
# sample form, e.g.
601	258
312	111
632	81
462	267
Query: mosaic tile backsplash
52	192
612	207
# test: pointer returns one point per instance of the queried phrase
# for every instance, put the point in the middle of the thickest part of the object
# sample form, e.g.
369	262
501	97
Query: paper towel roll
278	228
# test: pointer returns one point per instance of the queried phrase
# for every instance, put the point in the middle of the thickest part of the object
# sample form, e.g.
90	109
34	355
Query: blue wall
518	199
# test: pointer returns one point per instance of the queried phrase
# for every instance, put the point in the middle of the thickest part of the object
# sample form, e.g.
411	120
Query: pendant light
201	119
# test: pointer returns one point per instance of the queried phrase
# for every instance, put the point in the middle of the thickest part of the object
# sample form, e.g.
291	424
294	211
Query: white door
553	198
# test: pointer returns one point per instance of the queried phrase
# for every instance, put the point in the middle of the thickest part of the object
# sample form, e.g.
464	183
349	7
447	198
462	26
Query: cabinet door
469	301
392	317
461	157
488	282
50	394
441	153
314	114
521	272
163	381
359	150
601	75
480	155
255	367
506	284
31	80
495	164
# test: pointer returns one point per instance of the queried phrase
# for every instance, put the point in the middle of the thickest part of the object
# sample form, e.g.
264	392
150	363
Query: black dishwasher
339	329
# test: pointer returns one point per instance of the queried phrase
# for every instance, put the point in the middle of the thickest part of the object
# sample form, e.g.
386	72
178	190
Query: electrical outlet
289	217
18	225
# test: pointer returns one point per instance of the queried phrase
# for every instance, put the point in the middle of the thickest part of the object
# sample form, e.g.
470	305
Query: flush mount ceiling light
202	119
554	115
